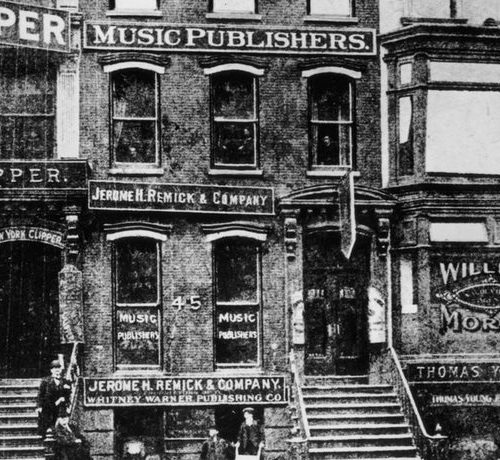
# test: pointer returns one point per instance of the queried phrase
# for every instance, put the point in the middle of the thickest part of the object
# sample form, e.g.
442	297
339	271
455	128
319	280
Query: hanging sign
222	39
186	391
34	27
137	196
453	372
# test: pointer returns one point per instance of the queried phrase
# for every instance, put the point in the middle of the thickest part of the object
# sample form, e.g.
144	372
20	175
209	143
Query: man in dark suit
50	396
251	434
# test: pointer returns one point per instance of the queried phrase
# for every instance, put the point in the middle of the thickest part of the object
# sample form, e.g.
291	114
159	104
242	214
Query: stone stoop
19	437
350	419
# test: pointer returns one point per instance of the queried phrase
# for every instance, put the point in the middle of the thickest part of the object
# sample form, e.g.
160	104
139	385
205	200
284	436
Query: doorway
29	308
335	312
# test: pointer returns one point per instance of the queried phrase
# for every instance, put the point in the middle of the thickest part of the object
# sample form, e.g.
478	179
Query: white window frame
234	6
256	239
352	76
255	121
316	8
121	236
157	70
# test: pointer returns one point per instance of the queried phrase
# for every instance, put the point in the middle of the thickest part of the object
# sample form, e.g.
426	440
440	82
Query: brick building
233	234
442	64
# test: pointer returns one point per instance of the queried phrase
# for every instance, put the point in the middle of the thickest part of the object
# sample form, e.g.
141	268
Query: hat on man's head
54	364
249	410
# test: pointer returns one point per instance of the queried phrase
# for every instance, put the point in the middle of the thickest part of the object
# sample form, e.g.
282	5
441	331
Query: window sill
136	13
235	172
331	18
136	171
235	16
331	172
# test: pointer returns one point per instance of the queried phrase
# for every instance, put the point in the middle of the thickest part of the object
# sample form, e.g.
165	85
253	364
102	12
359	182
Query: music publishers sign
36	27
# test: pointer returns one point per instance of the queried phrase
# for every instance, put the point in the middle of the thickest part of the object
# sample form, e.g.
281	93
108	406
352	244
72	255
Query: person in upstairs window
215	447
51	394
251	434
328	153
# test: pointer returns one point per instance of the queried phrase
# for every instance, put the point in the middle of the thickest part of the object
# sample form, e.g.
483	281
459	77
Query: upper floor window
331	7
331	120
133	4
237	295
234	120
27	106
135	116
233	6
406	154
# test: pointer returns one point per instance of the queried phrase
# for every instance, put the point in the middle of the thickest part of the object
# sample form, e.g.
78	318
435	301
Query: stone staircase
19	438
350	419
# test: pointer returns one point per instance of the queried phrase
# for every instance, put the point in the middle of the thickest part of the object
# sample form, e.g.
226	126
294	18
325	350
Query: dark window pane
135	141
236	271
137	336
237	334
235	143
134	94
331	144
26	138
136	271
330	99
233	95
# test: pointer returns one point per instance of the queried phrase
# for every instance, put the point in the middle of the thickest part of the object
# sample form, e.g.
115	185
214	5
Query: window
237	296
406	154
135	115
27	106
133	5
137	302
233	6
235	120
330	7
331	123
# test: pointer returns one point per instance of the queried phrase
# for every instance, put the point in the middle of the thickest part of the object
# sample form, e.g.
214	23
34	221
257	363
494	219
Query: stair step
366	428
353	409
21	441
335	379
370	452
363	437
349	397
356	418
349	388
362	441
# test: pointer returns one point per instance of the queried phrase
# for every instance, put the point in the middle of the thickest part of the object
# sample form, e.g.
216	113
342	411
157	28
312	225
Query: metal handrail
431	447
298	391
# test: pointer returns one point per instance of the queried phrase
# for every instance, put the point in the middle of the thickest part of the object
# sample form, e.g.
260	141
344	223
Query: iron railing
430	447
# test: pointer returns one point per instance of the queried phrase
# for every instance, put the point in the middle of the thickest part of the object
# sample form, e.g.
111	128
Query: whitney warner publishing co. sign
223	39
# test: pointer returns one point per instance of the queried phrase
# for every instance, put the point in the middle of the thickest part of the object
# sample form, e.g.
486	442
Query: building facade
442	67
193	190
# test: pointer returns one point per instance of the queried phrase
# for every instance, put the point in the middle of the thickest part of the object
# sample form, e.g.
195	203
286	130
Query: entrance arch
29	308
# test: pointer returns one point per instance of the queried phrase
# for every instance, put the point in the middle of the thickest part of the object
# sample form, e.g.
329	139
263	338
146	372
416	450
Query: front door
335	306
29	309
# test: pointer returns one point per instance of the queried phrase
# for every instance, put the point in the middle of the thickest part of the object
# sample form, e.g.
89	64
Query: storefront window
331	122
27	106
135	116
235	119
330	7
137	310
237	303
